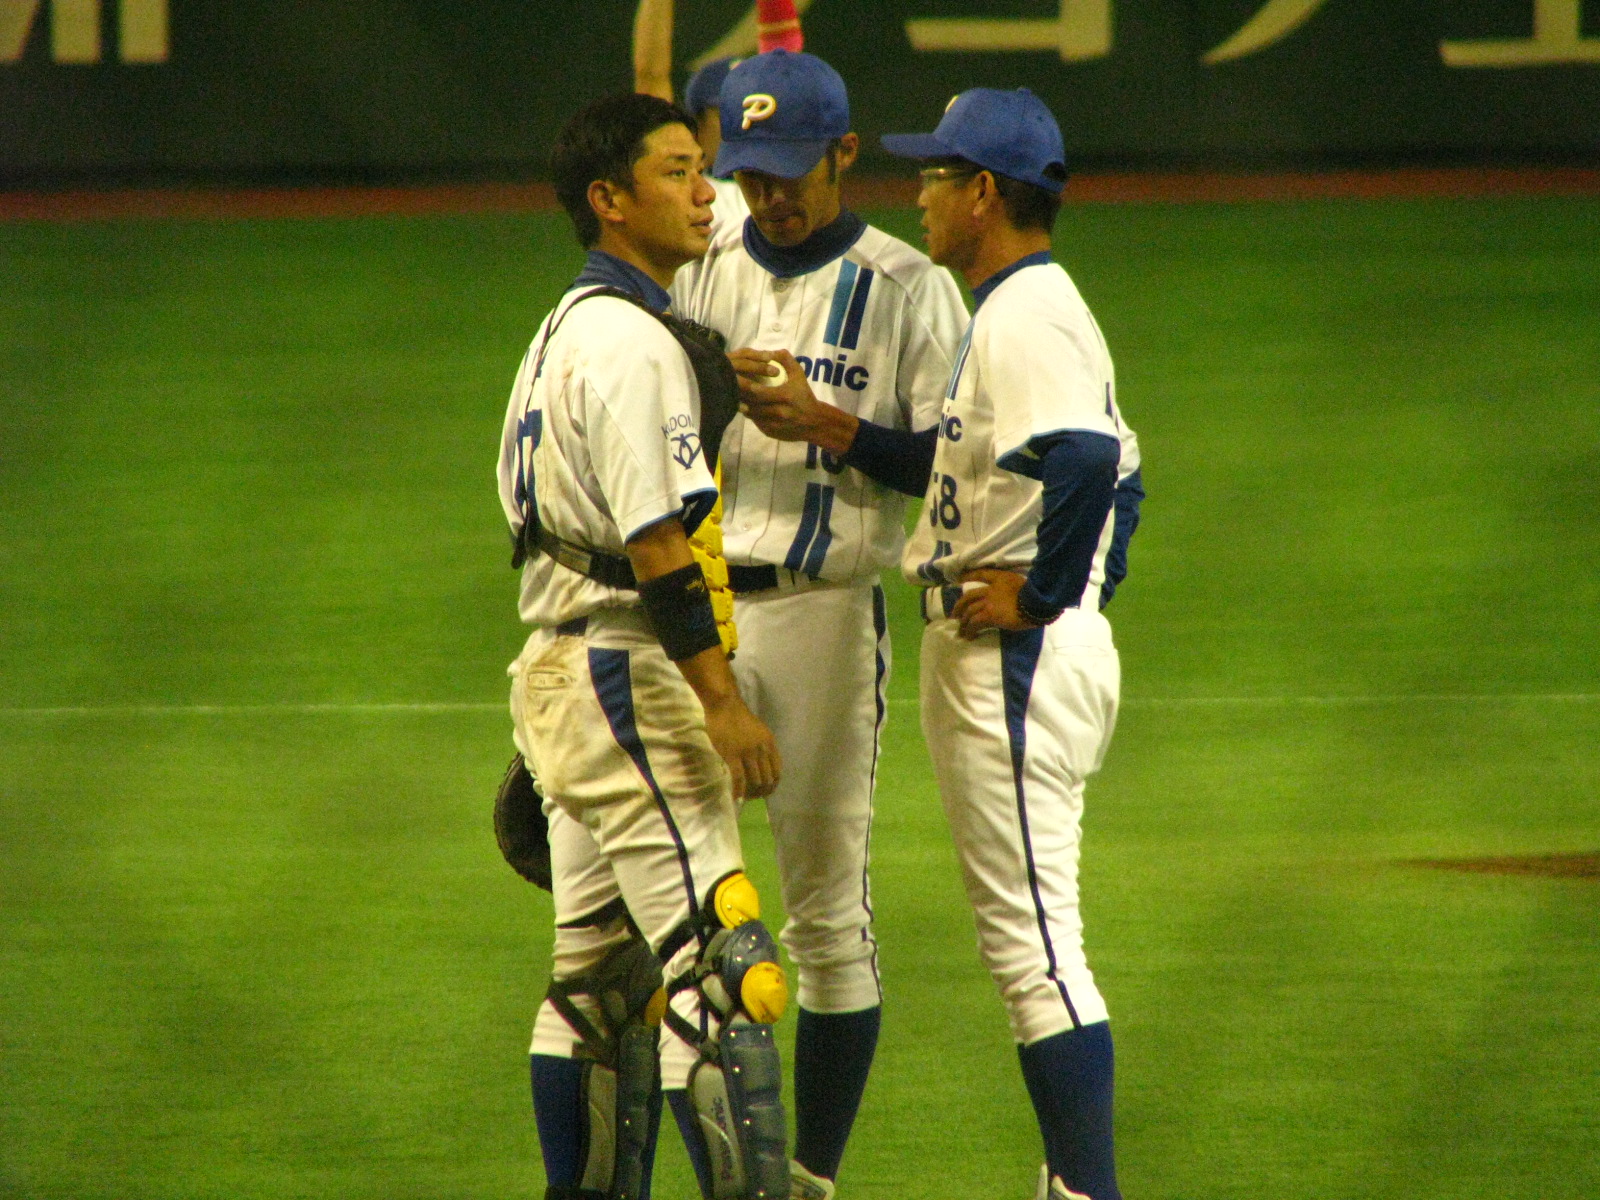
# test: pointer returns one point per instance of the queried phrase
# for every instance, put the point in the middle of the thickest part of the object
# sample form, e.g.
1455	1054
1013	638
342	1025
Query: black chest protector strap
719	404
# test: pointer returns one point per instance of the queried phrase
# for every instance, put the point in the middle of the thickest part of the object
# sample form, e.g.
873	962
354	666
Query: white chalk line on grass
1363	701
232	710
449	707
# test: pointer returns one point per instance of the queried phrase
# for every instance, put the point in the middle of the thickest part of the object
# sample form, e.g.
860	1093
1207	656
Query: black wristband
1031	607
679	607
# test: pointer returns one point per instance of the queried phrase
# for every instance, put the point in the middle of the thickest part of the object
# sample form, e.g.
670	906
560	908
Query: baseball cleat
1053	1189
803	1185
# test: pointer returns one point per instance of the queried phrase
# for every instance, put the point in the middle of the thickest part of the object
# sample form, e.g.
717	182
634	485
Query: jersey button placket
783	294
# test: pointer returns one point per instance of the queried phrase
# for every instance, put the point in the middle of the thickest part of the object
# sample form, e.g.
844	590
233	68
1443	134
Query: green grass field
255	937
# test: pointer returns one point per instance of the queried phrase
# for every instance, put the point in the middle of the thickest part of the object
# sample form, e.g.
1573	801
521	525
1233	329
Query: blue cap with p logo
779	111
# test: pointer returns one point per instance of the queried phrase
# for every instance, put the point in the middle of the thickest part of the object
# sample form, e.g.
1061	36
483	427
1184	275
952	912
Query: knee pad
621	1069
735	1087
742	975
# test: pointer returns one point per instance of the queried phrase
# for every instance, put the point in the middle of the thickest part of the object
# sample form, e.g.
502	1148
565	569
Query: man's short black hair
602	141
1028	206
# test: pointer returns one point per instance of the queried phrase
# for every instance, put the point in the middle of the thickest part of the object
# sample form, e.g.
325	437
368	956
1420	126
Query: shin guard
621	1067
735	1087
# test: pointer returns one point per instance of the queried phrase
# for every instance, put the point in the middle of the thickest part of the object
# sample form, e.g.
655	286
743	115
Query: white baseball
775	376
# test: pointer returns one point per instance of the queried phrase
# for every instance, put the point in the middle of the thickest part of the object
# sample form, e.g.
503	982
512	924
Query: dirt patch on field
1209	187
248	203
861	192
1560	866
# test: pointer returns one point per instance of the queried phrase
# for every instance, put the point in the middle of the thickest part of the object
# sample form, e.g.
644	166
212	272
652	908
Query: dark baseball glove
520	825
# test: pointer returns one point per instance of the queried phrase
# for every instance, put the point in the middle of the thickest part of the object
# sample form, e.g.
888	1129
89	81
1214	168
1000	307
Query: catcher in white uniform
1032	492
873	325
623	701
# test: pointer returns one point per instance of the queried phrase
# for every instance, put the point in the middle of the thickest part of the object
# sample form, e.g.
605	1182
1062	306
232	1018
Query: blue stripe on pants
1019	656
613	687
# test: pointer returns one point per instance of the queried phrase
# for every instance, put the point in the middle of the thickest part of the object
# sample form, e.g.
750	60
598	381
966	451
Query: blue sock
689	1127
558	1110
832	1055
1069	1080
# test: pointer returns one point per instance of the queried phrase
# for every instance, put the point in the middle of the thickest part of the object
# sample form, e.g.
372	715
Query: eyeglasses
934	174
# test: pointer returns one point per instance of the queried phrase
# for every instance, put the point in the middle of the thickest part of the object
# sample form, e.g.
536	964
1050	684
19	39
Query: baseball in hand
775	375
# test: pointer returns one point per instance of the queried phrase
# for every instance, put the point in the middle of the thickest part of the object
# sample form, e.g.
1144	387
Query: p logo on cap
758	107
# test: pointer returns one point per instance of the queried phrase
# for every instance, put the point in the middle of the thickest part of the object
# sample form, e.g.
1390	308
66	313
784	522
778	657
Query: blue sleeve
1079	473
1130	494
896	458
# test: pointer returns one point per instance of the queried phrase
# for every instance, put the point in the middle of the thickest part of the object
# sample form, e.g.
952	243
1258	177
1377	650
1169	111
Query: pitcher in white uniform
1032	489
873	326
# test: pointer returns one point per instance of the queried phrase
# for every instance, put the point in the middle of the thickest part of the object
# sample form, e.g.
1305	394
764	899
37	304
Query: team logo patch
686	448
758	106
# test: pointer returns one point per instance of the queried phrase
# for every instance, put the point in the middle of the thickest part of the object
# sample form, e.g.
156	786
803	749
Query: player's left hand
788	411
992	604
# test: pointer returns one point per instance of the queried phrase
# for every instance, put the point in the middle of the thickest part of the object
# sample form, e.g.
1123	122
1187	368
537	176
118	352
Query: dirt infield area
1562	866
863	192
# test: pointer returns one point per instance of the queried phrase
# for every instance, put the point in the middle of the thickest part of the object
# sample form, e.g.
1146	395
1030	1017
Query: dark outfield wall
247	87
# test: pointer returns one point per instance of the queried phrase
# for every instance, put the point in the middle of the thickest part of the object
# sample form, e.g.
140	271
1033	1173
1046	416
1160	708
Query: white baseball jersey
1032	363
602	425
875	329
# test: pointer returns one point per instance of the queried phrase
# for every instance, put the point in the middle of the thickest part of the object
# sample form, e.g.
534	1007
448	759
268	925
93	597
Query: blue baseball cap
1009	133
779	112
705	85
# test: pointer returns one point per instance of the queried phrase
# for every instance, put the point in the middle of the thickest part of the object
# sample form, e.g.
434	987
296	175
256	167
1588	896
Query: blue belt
573	628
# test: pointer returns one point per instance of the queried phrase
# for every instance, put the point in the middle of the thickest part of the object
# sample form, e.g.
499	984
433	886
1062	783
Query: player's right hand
788	410
989	601
782	405
747	746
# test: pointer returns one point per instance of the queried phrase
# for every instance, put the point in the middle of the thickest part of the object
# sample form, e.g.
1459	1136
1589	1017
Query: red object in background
778	26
